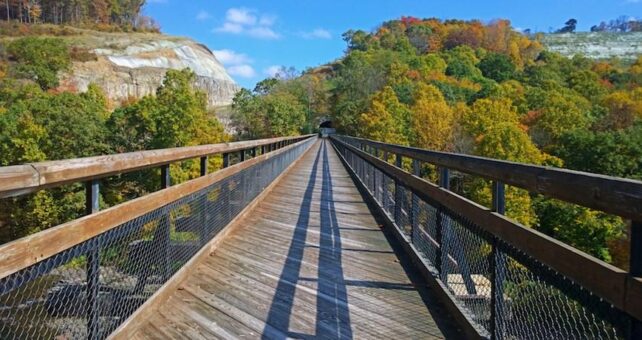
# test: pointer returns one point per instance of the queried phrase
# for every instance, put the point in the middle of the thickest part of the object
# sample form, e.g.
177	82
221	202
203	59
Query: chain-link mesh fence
530	300
89	290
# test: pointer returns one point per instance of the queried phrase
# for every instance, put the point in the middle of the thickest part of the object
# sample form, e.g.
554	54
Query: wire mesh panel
506	293
89	290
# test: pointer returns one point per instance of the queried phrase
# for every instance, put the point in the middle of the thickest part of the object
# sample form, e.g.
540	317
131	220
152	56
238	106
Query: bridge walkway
310	261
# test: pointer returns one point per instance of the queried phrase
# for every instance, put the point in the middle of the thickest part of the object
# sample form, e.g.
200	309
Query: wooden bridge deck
309	261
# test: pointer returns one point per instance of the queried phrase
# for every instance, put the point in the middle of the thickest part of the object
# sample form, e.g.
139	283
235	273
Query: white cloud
241	16
243	71
318	33
203	15
229	57
262	33
273	70
267	20
248	22
230	27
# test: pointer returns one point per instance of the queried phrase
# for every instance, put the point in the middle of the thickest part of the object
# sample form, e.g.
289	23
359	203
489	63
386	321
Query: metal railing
86	277
500	279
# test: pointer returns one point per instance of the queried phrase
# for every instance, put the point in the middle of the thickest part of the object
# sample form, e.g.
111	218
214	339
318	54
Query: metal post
635	270
398	196
164	222
262	149
253	152
374	176
92	194
384	183
441	255
165	178
226	160
497	265
242	156
203	165
414	219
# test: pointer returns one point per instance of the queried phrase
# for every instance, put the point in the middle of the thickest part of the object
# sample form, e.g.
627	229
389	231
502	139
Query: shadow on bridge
332	314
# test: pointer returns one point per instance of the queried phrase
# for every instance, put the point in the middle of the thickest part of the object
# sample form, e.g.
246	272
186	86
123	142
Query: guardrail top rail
26	178
452	232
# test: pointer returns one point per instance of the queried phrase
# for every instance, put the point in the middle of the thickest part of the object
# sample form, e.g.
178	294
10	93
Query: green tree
498	67
40	59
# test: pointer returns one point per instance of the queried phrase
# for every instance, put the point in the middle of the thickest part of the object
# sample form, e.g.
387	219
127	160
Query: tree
493	125
40	59
580	227
432	119
498	67
384	119
624	110
569	26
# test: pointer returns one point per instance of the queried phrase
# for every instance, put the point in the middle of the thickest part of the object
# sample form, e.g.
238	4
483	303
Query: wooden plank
618	196
32	249
599	277
125	330
18	180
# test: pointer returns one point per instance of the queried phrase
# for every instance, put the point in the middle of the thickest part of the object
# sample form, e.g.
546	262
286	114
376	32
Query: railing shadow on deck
332	314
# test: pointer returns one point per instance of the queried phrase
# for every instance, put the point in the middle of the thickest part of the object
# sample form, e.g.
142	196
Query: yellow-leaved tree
432	120
385	118
494	126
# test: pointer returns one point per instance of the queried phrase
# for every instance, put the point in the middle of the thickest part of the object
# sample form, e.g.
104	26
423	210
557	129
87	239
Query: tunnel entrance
326	125
326	128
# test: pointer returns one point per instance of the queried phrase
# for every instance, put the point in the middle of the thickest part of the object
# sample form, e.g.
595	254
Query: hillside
596	45
132	65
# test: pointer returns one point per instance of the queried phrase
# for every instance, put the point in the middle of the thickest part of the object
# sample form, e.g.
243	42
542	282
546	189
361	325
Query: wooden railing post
635	270
92	194
441	256
497	262
398	196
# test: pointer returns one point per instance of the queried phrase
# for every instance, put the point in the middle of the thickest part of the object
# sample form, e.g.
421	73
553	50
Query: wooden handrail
618	196
606	281
22	179
24	252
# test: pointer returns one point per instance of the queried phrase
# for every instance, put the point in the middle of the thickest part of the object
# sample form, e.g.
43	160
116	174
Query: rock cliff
133	65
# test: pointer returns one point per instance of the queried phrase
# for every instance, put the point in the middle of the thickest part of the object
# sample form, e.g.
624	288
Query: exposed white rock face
126	70
596	45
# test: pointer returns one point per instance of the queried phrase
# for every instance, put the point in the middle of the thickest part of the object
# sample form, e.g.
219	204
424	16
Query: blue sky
254	38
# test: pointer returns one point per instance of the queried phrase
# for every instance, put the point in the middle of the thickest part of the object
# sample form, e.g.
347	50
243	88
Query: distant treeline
125	14
621	24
